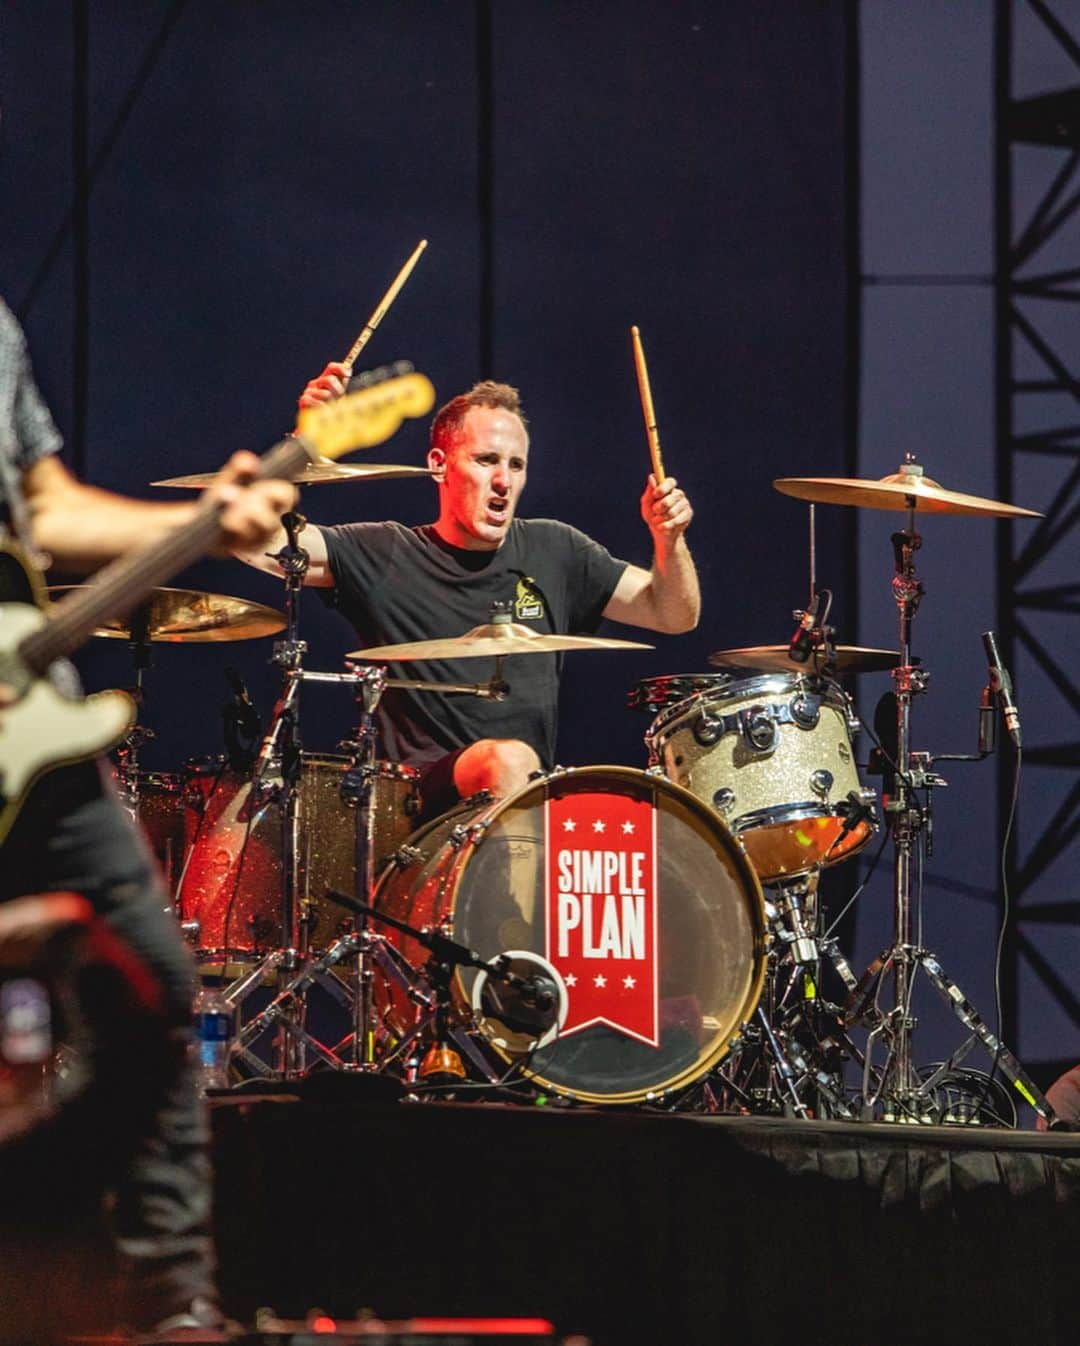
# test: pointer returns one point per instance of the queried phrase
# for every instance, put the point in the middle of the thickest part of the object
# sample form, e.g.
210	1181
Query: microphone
987	723
247	715
800	644
1001	684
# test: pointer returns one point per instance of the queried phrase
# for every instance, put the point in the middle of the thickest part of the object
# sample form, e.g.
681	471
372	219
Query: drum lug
407	855
759	729
479	830
821	782
724	799
459	835
806	710
708	729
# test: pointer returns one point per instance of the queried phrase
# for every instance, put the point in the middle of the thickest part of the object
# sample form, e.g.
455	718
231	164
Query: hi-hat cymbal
898	491
490	641
776	659
182	615
315	474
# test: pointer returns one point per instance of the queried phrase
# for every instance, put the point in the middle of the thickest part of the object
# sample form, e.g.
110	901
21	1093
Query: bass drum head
636	893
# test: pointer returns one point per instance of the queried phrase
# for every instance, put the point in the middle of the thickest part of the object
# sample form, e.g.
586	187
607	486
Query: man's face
480	479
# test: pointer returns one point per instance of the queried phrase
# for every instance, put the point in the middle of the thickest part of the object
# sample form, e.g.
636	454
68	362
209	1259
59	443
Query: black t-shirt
399	584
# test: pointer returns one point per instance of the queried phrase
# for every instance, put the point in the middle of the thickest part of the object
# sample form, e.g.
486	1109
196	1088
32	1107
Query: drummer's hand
253	509
666	510
331	383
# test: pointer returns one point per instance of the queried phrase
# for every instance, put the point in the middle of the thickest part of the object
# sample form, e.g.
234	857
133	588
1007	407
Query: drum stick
646	405
384	304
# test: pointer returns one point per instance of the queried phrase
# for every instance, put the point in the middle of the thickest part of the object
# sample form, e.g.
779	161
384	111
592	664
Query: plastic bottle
215	1020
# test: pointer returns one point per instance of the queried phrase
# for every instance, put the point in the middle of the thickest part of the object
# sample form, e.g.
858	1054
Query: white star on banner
570	979
629	983
627	828
600	980
598	826
569	825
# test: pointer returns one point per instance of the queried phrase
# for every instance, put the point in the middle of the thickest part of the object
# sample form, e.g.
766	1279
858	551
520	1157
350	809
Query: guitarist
72	834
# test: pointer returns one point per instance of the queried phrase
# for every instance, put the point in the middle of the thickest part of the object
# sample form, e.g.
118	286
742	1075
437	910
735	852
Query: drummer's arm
329	384
318	576
667	596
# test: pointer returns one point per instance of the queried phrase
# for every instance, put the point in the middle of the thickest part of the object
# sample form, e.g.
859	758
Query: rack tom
773	755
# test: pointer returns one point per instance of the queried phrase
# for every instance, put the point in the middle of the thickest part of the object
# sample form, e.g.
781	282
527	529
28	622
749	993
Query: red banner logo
600	904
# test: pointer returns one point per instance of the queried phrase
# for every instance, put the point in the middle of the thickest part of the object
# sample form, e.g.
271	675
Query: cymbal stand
127	755
901	1092
276	772
362	947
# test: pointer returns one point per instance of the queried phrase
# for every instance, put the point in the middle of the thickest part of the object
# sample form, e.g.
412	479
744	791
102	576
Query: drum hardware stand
898	1088
361	947
799	1066
442	1063
282	746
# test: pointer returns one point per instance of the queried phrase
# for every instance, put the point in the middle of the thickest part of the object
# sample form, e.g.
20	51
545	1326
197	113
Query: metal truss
1038	440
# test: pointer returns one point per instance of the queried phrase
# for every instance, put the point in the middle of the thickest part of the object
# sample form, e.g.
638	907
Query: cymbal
775	659
183	615
898	491
315	474
490	641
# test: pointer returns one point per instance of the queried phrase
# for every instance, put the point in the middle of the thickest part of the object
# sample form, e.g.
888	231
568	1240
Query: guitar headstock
369	416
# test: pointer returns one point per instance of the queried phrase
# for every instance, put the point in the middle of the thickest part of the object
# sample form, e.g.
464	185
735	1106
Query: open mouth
497	509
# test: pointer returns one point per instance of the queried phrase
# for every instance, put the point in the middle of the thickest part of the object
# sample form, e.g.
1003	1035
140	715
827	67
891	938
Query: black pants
73	834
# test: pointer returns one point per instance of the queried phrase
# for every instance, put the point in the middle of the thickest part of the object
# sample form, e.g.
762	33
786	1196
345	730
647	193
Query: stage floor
633	1227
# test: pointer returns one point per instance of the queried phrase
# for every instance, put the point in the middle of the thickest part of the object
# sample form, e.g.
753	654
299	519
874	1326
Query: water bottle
215	1020
26	1041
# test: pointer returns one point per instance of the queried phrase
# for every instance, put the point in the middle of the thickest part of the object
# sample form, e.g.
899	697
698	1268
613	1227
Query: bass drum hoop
711	822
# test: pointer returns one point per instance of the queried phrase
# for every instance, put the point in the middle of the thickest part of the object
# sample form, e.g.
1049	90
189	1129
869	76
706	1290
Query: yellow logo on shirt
528	605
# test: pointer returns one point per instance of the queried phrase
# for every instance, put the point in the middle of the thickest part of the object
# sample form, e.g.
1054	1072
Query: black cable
885	839
1003	870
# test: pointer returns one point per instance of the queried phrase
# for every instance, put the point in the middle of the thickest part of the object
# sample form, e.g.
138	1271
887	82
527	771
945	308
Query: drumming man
71	833
399	584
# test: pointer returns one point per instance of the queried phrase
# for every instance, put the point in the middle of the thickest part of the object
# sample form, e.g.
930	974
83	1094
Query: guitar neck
122	583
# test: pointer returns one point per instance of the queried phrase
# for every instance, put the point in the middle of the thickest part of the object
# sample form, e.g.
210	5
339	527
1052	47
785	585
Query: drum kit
607	934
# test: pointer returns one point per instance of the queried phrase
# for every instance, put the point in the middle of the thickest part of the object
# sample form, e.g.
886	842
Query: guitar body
43	729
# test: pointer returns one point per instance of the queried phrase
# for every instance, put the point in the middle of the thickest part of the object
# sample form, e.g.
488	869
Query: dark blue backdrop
260	170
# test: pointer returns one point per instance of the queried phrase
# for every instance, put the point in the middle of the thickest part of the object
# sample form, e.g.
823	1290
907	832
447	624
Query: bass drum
631	888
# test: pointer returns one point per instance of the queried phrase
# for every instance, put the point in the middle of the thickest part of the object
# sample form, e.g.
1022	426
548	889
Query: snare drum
631	888
773	756
232	888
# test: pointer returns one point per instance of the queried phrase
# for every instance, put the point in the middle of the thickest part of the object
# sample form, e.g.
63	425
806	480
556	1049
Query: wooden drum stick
647	406
384	304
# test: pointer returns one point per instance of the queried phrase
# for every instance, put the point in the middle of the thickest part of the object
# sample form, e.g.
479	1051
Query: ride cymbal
491	641
183	615
903	490
776	659
316	474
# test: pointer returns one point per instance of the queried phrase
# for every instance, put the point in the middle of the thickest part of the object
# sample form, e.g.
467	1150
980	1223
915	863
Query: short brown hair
446	426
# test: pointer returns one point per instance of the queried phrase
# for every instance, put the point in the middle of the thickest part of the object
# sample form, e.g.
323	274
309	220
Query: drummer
398	584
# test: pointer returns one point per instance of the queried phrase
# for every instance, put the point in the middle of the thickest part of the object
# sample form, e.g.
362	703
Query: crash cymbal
315	474
776	659
494	639
898	491
188	615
